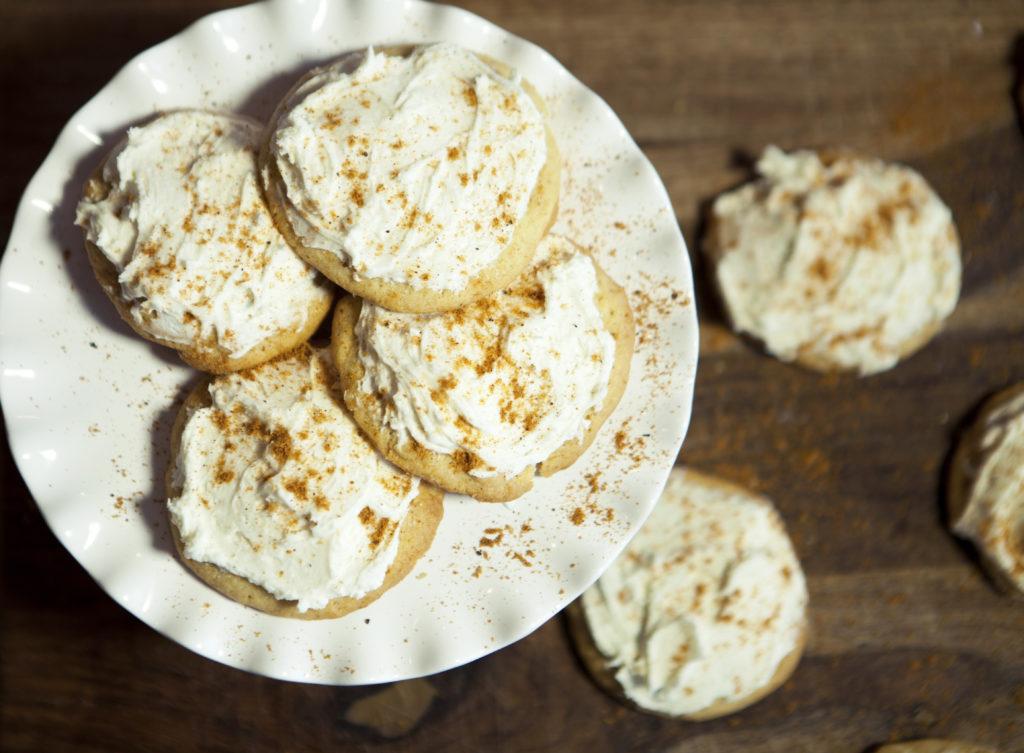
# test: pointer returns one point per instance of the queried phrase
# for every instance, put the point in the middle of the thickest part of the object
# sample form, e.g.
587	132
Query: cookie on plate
278	501
835	261
481	398
419	178
181	241
986	488
704	611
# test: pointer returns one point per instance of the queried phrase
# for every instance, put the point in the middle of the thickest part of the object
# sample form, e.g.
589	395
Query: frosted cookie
181	241
933	746
834	261
277	500
704	612
418	178
479	399
986	488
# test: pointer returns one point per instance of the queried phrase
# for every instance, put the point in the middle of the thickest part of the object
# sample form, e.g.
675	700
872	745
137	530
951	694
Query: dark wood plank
908	638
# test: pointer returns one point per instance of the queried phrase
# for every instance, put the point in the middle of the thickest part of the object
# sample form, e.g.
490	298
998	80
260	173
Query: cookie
278	501
480	399
704	612
181	241
417	178
985	495
834	261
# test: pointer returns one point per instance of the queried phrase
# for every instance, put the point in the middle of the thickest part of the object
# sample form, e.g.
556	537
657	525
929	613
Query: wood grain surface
908	638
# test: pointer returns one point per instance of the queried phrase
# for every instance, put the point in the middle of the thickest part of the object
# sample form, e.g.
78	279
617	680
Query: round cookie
834	261
480	399
933	745
704	611
419	178
180	239
985	495
278	501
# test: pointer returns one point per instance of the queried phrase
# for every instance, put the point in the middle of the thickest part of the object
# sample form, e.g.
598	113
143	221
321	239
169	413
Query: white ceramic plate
88	404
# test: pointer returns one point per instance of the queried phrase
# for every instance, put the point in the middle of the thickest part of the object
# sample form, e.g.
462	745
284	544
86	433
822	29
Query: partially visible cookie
278	501
182	243
986	488
934	746
481	398
704	611
835	261
419	178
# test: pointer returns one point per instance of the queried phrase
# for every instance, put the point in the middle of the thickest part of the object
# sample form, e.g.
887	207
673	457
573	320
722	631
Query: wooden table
907	638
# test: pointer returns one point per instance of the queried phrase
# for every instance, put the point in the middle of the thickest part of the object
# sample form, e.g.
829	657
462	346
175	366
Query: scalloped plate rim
55	511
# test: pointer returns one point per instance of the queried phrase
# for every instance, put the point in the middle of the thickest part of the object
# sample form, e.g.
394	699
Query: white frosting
841	263
280	487
197	253
993	516
705	601
413	169
508	379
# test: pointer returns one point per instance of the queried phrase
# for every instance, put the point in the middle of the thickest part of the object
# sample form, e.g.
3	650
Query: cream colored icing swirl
508	379
279	486
993	516
704	602
841	263
412	169
185	226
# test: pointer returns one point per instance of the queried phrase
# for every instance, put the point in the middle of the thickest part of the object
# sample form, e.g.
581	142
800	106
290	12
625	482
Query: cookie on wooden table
986	488
419	178
835	261
704	611
480	399
278	501
182	243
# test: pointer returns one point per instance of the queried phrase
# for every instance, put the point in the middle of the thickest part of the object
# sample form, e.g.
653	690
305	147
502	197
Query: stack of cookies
473	348
469	349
